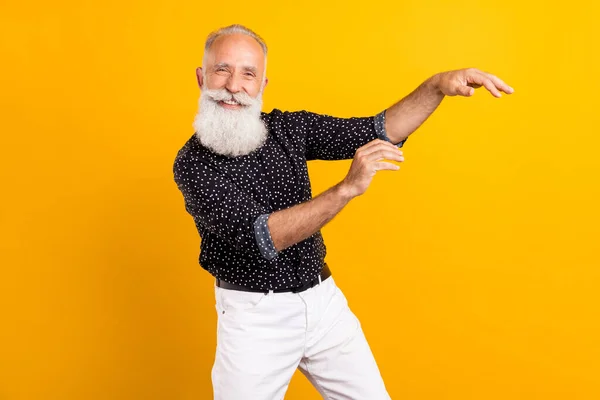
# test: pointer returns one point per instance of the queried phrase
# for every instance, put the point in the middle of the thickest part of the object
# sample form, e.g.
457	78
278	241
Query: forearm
404	117
294	224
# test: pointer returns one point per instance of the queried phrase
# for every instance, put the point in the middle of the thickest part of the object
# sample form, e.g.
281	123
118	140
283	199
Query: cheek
252	89
215	82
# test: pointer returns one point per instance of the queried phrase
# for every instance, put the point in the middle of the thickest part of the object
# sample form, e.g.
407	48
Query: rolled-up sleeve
263	237
219	206
380	129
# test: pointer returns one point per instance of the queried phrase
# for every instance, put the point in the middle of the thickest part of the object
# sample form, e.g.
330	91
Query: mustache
225	95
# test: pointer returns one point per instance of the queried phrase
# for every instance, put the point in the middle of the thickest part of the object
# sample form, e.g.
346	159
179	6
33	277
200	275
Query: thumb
466	91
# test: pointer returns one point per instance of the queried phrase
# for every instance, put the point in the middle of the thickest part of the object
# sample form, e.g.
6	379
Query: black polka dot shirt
230	198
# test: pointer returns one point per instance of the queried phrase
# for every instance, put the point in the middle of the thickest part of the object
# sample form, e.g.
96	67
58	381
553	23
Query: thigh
339	362
260	340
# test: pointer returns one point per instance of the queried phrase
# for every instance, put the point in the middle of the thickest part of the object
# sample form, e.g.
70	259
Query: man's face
229	121
235	63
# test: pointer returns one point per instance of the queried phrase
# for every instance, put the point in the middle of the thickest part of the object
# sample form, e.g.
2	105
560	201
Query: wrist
344	191
434	83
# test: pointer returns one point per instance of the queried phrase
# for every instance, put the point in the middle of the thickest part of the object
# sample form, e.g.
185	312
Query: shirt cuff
263	237
380	129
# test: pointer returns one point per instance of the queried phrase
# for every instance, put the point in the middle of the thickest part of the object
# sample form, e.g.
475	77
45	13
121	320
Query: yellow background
474	269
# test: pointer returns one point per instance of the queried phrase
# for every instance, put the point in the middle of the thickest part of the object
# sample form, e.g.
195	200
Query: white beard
227	132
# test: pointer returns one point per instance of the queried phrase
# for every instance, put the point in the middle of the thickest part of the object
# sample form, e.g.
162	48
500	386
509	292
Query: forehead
236	49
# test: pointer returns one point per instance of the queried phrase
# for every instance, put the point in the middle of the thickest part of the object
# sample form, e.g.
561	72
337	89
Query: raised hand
463	82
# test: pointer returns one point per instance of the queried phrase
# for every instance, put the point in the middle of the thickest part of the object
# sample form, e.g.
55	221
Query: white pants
262	339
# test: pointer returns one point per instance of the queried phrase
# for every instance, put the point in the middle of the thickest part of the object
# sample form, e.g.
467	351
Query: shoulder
189	150
190	154
183	158
278	119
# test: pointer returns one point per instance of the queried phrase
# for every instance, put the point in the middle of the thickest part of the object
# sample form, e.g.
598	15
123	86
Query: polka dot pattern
230	198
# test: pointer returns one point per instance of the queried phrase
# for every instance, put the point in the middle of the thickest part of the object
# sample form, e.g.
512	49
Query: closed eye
222	68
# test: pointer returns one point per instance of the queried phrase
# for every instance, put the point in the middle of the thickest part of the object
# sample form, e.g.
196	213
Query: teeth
230	102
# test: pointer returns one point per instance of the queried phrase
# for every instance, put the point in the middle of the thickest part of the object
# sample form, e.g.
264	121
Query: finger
482	79
371	144
381	142
366	146
385	155
381	145
466	91
379	166
499	83
489	85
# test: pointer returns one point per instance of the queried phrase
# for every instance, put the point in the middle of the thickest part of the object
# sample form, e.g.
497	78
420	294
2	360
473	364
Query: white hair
231	30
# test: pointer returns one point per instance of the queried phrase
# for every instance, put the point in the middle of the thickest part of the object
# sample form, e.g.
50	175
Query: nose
233	83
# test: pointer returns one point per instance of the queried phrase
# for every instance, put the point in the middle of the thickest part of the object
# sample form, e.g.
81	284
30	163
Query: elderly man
244	179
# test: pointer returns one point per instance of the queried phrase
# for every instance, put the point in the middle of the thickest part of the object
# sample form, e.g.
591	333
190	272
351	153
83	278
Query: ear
265	84
200	77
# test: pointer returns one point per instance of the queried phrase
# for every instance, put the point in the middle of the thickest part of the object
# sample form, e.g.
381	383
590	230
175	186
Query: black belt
325	273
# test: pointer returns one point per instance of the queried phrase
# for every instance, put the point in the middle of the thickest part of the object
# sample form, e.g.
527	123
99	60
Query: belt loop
270	292
319	279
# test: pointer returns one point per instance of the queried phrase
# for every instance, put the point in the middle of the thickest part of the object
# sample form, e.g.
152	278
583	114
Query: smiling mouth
230	103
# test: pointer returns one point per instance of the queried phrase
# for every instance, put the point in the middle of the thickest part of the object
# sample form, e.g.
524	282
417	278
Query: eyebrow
222	65
245	67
